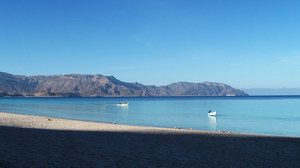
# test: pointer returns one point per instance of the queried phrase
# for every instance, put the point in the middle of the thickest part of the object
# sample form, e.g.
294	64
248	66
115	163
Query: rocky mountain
106	86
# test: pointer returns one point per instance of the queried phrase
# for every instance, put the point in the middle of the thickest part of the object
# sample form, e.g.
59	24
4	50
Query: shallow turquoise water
263	115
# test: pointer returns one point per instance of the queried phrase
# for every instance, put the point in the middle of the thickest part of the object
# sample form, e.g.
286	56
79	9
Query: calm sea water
263	115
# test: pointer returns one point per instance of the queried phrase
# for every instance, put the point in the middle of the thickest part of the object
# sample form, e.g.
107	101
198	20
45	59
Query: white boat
122	104
212	113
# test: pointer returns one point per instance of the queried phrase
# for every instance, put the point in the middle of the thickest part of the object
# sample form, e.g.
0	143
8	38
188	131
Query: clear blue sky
244	43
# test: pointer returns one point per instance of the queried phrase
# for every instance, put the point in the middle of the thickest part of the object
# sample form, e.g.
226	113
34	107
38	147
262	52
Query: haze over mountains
106	86
272	91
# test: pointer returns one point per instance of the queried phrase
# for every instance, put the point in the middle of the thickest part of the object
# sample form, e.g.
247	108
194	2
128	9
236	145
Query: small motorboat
122	104
212	113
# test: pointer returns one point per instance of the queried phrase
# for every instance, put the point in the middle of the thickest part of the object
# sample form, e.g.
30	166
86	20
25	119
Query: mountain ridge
87	85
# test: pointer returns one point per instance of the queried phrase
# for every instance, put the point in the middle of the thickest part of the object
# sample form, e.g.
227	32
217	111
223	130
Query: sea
269	115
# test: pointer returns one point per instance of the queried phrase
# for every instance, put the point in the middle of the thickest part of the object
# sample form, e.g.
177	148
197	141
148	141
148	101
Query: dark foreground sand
31	141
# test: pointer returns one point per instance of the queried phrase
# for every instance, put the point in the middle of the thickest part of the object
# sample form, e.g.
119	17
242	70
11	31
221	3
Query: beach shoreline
35	141
55	123
44	122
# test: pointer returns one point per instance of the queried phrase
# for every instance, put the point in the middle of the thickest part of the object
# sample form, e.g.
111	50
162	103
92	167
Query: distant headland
79	85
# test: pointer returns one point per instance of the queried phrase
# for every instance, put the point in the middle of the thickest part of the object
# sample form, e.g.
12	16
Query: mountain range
103	86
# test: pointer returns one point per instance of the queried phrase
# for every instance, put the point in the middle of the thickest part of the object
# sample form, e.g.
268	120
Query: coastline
34	141
43	122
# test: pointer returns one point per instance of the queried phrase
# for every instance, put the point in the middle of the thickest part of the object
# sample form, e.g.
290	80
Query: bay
272	115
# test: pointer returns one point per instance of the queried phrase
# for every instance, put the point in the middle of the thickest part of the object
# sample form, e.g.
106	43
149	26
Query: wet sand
33	141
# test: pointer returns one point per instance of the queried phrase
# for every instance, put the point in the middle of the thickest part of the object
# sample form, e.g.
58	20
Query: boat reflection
212	122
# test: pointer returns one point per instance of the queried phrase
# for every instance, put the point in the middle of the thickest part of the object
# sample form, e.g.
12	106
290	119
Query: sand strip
40	122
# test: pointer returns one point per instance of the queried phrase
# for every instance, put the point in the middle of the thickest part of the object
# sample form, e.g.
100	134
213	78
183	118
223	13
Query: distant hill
106	86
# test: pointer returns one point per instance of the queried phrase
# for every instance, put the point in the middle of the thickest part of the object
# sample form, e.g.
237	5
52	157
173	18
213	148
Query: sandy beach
33	141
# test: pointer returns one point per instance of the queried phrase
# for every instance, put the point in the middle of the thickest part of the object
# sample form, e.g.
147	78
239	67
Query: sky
243	43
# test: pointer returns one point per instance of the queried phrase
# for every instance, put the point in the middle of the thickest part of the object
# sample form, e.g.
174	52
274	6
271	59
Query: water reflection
212	122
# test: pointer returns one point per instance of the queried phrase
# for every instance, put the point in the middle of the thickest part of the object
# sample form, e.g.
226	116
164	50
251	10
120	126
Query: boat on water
122	104
212	113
